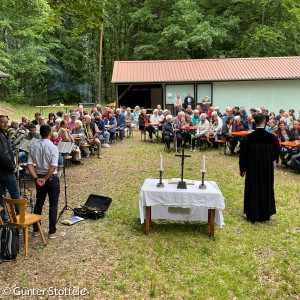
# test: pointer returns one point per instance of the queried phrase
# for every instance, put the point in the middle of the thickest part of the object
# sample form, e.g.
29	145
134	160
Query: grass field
113	259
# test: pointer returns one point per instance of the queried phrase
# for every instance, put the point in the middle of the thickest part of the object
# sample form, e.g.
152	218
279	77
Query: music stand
65	149
21	143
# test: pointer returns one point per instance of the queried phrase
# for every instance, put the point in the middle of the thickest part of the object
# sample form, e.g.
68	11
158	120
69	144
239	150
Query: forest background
51	47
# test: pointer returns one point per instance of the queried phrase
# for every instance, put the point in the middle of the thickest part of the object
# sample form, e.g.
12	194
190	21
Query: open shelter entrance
143	95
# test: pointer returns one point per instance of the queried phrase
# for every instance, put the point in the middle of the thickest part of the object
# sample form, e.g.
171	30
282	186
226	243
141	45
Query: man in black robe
258	151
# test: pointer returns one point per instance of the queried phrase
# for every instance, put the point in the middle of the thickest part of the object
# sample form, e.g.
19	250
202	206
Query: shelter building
273	82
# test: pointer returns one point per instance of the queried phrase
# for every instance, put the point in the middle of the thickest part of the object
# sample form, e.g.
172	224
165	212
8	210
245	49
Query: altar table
191	204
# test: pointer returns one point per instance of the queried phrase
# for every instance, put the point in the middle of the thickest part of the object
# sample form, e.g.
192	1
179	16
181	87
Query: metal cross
182	184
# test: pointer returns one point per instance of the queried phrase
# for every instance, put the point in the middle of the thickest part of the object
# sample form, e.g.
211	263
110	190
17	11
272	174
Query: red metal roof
258	68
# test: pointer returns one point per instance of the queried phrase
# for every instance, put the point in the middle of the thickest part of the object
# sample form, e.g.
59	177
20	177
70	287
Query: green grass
113	258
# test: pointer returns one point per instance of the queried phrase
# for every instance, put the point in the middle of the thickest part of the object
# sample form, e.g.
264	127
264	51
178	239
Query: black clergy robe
258	151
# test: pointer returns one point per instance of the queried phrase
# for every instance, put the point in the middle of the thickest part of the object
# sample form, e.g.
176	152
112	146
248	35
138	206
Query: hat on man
96	113
72	115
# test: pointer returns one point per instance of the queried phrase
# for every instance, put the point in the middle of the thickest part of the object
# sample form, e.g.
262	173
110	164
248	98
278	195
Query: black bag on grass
9	242
94	208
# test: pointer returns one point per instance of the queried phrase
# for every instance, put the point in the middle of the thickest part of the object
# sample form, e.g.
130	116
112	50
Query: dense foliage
51	48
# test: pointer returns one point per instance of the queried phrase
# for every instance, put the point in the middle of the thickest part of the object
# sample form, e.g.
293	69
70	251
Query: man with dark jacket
101	126
258	152
8	180
120	123
189	101
249	124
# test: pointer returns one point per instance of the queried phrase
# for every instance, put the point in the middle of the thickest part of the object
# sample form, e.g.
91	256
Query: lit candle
160	165
203	164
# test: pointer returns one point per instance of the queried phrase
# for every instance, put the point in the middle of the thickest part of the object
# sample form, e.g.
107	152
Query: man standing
177	103
206	103
45	155
189	101
8	180
258	151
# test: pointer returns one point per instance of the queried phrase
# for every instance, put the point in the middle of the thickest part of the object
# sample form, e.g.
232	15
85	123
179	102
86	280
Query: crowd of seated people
96	128
86	130
214	126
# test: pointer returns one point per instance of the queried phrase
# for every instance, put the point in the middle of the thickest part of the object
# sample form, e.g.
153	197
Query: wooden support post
148	216
211	221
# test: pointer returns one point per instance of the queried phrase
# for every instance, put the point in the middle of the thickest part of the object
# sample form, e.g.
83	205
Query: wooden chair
24	220
1	221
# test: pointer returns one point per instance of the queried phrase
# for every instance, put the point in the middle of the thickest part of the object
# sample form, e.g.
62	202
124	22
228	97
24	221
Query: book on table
177	180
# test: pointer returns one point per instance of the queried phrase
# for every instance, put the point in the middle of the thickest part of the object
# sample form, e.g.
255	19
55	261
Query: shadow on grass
174	227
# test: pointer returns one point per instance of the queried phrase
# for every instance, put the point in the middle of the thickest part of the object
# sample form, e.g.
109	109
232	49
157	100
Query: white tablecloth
189	204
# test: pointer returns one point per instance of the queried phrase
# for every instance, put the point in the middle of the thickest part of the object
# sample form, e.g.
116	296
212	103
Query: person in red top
105	113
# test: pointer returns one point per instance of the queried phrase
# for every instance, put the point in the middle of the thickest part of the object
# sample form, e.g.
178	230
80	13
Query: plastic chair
1	221
23	220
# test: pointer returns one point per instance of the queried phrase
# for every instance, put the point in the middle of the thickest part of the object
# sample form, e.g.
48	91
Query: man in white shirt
45	155
177	104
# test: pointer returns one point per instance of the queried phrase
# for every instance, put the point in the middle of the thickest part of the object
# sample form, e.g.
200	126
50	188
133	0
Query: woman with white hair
237	125
162	118
78	132
202	132
155	119
168	133
57	124
130	121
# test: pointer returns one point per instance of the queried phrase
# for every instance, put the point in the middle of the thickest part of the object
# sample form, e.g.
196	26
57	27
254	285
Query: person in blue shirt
228	113
249	124
196	118
120	123
112	122
101	126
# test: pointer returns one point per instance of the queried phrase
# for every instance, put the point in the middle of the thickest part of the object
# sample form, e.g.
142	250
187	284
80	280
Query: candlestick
161	163
202	186
160	184
203	164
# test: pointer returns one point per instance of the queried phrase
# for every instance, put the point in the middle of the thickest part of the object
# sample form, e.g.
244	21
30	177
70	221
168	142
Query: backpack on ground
9	242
